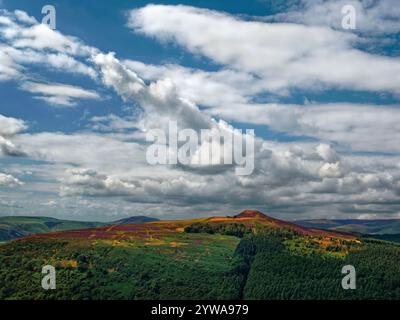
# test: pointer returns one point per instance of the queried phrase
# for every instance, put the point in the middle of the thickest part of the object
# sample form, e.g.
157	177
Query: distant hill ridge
361	226
18	226
135	219
12	227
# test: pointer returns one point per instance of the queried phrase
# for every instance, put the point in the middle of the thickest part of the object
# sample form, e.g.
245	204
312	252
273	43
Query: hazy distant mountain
135	219
381	226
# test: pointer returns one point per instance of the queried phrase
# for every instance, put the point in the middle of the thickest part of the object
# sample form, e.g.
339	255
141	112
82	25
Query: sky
77	102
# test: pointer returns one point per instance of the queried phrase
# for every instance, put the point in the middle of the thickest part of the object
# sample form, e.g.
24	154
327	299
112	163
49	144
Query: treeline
239	230
230	229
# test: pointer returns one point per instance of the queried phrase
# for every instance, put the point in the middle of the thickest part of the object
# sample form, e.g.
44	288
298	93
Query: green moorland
202	260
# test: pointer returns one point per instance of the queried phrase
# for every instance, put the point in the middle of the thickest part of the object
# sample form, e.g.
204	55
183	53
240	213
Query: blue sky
323	101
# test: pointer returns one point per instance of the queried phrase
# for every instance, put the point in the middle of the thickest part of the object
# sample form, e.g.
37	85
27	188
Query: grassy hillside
121	262
249	256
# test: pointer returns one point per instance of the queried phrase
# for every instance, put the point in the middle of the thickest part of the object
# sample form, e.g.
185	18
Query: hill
380	226
18	226
247	256
134	219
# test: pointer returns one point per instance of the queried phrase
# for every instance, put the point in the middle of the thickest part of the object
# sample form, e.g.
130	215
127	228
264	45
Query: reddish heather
159	229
